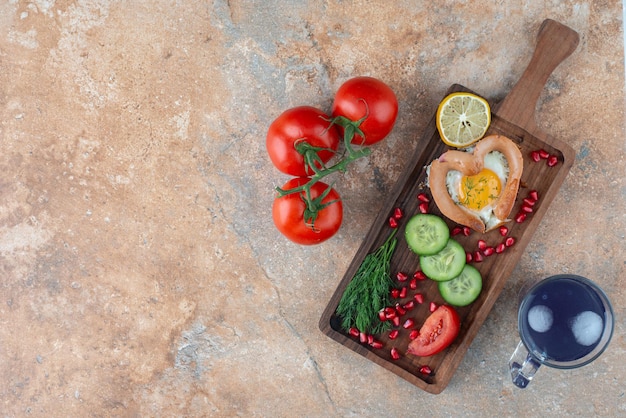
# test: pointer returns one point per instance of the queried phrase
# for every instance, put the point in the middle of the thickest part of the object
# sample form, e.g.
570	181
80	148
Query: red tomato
288	214
438	332
303	123
361	96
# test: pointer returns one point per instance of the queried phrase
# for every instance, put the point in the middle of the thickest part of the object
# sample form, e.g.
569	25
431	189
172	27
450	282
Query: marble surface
141	274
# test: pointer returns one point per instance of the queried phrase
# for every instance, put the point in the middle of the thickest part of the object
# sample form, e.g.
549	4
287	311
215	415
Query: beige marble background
140	272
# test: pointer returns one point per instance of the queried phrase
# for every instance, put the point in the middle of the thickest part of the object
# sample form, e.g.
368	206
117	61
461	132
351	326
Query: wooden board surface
514	118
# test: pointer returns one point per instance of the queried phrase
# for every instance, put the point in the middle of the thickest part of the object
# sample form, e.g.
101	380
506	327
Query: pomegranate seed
489	251
419	275
400	310
414	334
468	257
401	276
376	344
509	241
413	283
393	222
419	298
543	154
390	313
432	307
423	197
478	256
395	293
553	160
402	293
529	202
426	370
467	231
423	207
397	213
395	321
363	337
354	332
534	195
456	230
370	339
504	230
500	248
393	334
395	354
534	155
409	305
481	244
521	217
527	209
408	323
381	315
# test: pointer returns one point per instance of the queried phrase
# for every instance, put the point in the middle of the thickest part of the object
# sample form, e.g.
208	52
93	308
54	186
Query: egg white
494	161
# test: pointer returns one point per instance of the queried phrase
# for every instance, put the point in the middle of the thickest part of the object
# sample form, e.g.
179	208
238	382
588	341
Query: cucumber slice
426	234
463	289
446	264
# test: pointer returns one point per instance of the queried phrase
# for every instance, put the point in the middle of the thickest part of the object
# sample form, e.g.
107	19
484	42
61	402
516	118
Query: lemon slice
462	119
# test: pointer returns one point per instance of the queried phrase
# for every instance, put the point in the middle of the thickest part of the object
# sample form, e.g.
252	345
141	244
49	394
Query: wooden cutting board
514	117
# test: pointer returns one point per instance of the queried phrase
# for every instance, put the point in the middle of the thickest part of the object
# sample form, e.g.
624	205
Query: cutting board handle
555	42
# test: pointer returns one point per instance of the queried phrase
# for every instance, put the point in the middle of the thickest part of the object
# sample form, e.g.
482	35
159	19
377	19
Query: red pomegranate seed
423	207
423	197
419	298
534	155
489	251
529	202
395	354
354	332
419	275
426	370
376	344
393	222
408	323
413	283
402	293
397	213
432	307
478	256
363	337
521	217
500	248
401	276
481	244
409	305
553	160
390	313
509	241
381	315
370	339
527	209
395	321
534	195
395	293
456	230
504	230
400	310
543	154
467	231
468	257
393	334
414	334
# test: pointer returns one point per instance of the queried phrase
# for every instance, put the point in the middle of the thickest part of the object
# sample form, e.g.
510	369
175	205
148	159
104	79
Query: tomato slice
437	333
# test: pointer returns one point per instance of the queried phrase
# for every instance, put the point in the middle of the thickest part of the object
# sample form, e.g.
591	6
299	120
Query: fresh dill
369	291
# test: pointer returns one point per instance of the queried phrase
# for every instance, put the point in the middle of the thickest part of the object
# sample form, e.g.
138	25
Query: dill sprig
368	291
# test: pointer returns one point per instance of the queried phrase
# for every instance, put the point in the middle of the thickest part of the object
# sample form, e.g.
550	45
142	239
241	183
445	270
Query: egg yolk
479	190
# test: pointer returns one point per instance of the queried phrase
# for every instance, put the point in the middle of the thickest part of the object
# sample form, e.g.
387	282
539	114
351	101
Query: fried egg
479	193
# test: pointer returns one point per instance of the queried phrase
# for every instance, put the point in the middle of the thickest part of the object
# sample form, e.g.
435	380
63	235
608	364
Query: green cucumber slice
463	289
426	234
446	264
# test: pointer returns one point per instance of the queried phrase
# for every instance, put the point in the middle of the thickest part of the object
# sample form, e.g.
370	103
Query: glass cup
564	321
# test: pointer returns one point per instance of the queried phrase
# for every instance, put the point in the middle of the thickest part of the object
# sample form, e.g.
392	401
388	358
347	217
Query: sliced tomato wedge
437	333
